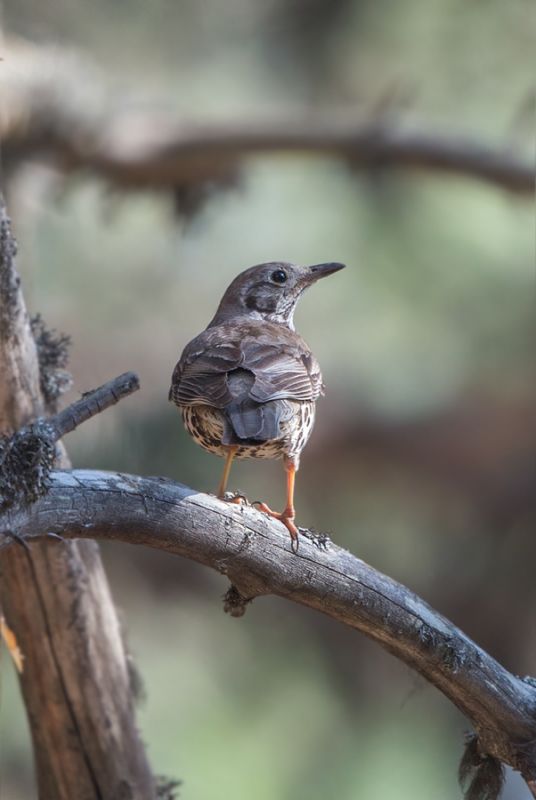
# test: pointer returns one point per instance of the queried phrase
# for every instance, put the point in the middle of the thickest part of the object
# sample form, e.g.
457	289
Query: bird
247	385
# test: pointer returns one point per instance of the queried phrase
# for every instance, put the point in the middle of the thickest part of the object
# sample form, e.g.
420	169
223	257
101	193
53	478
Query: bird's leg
288	514
231	452
11	643
226	470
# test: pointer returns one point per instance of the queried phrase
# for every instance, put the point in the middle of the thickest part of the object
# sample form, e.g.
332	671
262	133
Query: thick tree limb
254	552
76	679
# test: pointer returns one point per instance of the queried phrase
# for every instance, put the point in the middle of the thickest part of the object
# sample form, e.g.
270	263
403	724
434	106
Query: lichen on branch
26	459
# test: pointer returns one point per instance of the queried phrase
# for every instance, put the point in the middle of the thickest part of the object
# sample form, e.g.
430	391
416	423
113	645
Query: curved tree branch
189	155
254	552
83	130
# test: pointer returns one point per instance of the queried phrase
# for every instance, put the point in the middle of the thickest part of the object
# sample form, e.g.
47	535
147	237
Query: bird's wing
200	377
279	359
283	371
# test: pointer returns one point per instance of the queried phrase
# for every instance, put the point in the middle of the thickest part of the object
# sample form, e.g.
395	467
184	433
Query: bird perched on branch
248	384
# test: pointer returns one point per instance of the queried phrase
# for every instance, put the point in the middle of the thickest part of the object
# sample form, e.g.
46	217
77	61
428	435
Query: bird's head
270	291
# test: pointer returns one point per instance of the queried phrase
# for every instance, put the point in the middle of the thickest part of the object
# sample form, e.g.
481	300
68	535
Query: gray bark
76	677
253	551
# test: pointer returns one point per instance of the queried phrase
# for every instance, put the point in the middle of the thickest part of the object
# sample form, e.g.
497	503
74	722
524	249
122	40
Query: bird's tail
248	421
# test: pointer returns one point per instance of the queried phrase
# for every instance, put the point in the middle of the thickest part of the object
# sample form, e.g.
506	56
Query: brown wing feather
280	360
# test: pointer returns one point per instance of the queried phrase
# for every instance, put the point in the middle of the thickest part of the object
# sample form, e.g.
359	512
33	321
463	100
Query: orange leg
11	643
287	516
231	452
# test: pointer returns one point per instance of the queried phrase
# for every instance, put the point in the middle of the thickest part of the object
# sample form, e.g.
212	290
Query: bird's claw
286	517
236	497
262	507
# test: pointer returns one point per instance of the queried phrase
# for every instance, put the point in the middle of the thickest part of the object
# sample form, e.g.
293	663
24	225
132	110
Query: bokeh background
421	461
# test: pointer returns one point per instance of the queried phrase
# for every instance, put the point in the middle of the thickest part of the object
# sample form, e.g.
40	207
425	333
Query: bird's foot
235	497
286	517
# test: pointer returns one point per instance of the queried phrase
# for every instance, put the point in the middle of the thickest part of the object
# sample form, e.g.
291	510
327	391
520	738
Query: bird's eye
279	276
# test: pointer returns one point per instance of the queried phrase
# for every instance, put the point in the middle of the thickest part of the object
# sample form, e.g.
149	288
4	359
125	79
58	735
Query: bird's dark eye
279	276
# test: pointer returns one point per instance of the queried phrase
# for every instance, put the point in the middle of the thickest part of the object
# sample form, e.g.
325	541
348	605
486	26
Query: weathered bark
57	601
254	552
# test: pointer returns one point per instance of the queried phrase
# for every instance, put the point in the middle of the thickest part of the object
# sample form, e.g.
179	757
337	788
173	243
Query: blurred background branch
178	157
153	150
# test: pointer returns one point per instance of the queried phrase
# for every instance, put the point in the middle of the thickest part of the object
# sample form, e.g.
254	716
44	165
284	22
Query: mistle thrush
248	384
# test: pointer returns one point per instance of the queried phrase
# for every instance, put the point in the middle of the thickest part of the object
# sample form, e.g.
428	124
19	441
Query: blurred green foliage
436	305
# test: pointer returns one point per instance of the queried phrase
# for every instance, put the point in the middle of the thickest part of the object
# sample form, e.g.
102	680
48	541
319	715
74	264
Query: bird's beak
323	270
